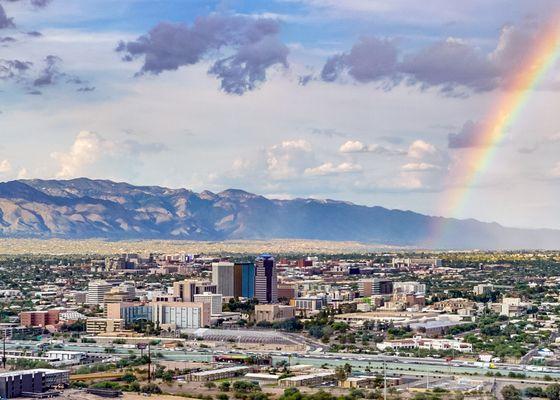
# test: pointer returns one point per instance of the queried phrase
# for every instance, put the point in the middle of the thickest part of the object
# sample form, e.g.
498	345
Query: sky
377	102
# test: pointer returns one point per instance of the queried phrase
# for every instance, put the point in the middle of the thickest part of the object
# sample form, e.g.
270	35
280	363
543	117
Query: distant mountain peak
92	208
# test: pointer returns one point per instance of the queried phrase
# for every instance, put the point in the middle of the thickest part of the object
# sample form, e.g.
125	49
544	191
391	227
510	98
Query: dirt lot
80	395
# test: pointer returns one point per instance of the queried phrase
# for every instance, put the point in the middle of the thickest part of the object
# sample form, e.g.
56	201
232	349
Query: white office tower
222	277
96	292
215	301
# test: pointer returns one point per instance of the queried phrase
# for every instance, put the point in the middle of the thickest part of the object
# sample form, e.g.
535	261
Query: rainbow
503	114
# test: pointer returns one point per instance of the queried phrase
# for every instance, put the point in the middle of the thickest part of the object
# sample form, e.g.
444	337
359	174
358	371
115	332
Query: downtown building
187	289
182	315
97	291
244	280
266	280
222	277
375	287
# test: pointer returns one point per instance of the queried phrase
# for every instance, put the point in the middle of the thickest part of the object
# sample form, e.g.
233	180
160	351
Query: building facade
244	280
214	299
97	291
266	280
222	277
182	315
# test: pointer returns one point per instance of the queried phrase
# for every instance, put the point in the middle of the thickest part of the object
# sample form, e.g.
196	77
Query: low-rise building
31	383
217	374
96	325
418	342
483	289
511	307
273	313
454	305
39	318
308	380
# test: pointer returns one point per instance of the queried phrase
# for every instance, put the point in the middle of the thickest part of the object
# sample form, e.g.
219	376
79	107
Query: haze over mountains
84	208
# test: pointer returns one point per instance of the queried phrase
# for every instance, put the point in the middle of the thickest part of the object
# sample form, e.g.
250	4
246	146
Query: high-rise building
244	280
222	277
96	292
185	290
266	282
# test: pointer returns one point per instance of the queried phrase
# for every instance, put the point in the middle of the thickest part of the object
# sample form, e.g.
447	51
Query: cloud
415	167
5	22
329	168
5	167
50	73
244	70
22	173
90	147
426	168
8	23
420	149
472	134
547	140
13	69
288	159
253	41
555	172
369	60
40	3
32	79
87	148
355	146
330	133
451	65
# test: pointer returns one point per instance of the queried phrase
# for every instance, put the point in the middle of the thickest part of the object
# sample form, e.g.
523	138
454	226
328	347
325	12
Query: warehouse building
32	382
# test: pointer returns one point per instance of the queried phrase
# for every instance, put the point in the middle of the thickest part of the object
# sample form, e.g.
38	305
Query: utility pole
384	381
4	350
149	364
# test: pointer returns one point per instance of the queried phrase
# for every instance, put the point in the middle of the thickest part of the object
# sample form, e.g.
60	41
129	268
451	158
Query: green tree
510	392
129	377
553	391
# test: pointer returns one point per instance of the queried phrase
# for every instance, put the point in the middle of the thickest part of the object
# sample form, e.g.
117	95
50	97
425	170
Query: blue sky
354	100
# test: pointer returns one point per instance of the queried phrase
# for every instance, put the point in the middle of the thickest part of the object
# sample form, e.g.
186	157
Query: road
395	364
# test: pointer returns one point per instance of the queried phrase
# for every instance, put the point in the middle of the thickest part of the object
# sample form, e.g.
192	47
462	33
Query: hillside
84	208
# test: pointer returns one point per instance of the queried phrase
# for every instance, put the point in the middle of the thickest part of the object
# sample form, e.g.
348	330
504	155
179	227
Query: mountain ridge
85	208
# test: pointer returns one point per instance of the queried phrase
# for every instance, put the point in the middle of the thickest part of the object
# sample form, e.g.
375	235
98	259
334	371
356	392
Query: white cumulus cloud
329	168
5	167
87	148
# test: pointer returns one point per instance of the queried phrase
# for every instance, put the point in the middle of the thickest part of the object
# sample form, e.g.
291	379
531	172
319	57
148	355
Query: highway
359	362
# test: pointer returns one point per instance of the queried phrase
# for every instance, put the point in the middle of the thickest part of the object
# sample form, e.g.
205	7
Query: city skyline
374	102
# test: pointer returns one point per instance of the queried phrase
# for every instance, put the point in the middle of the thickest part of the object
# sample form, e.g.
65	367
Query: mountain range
84	208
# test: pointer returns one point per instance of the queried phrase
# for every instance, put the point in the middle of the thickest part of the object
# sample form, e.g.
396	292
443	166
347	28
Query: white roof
221	370
33	371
